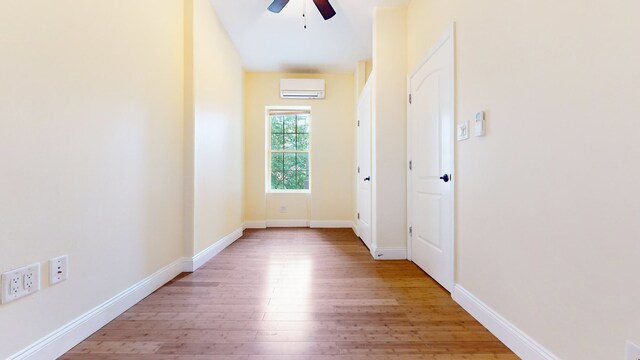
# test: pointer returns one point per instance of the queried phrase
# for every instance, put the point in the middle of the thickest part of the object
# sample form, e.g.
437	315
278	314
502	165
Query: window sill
288	191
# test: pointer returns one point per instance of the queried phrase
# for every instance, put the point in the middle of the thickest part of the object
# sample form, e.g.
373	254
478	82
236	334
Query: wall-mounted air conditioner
302	88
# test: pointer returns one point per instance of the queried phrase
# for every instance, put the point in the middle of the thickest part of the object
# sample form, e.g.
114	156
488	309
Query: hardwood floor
296	294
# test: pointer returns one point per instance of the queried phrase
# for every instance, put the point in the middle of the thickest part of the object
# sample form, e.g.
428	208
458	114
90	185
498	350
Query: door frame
449	34
366	90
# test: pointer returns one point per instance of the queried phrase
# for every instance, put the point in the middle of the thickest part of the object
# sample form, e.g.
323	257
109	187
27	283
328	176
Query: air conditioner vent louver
302	88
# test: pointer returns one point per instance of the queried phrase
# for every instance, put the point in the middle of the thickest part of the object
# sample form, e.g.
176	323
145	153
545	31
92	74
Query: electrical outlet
20	282
15	285
29	281
633	351
31	278
58	269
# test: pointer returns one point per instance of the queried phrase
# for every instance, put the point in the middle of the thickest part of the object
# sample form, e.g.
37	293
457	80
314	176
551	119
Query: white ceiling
278	42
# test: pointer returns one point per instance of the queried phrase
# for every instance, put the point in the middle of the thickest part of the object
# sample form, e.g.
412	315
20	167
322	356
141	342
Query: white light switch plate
633	351
463	131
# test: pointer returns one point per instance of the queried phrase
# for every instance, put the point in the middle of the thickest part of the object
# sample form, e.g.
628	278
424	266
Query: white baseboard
193	264
379	253
516	340
354	227
287	223
331	224
254	225
63	339
318	224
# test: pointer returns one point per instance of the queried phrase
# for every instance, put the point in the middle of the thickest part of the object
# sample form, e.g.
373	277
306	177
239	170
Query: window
288	162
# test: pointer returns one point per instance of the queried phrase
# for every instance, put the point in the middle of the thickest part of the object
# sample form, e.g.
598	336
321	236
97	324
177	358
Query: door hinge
411	231
358	122
410	99
358	169
358	216
410	165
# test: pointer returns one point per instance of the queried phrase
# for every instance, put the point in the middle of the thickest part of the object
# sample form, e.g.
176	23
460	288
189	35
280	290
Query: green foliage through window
289	161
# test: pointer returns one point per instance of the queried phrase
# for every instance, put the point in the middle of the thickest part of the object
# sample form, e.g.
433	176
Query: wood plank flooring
283	294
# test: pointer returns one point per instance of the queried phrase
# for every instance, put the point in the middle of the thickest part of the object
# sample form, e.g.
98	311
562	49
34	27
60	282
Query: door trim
367	90
449	34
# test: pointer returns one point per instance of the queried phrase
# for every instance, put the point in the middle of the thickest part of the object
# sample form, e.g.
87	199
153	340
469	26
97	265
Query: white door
364	166
430	198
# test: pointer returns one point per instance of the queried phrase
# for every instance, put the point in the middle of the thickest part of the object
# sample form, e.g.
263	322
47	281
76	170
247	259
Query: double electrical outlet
24	281
20	282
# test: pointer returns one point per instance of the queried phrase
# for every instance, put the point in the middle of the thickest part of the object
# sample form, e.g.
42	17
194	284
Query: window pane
277	141
290	161
303	161
277	162
277	180
303	142
277	124
290	124
277	171
290	180
303	124
289	141
303	180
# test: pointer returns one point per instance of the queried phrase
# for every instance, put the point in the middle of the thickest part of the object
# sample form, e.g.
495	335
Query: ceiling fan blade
325	8
278	5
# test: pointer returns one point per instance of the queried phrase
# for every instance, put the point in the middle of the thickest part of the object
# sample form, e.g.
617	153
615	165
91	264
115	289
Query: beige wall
547	202
91	137
332	155
217	125
389	161
122	129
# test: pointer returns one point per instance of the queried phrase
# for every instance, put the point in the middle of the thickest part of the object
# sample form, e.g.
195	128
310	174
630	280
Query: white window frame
268	111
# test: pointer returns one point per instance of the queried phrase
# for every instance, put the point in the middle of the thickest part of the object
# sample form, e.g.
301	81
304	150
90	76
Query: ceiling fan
323	6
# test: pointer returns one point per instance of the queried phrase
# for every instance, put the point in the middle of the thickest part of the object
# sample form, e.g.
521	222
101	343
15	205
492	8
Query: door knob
445	178
368	178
